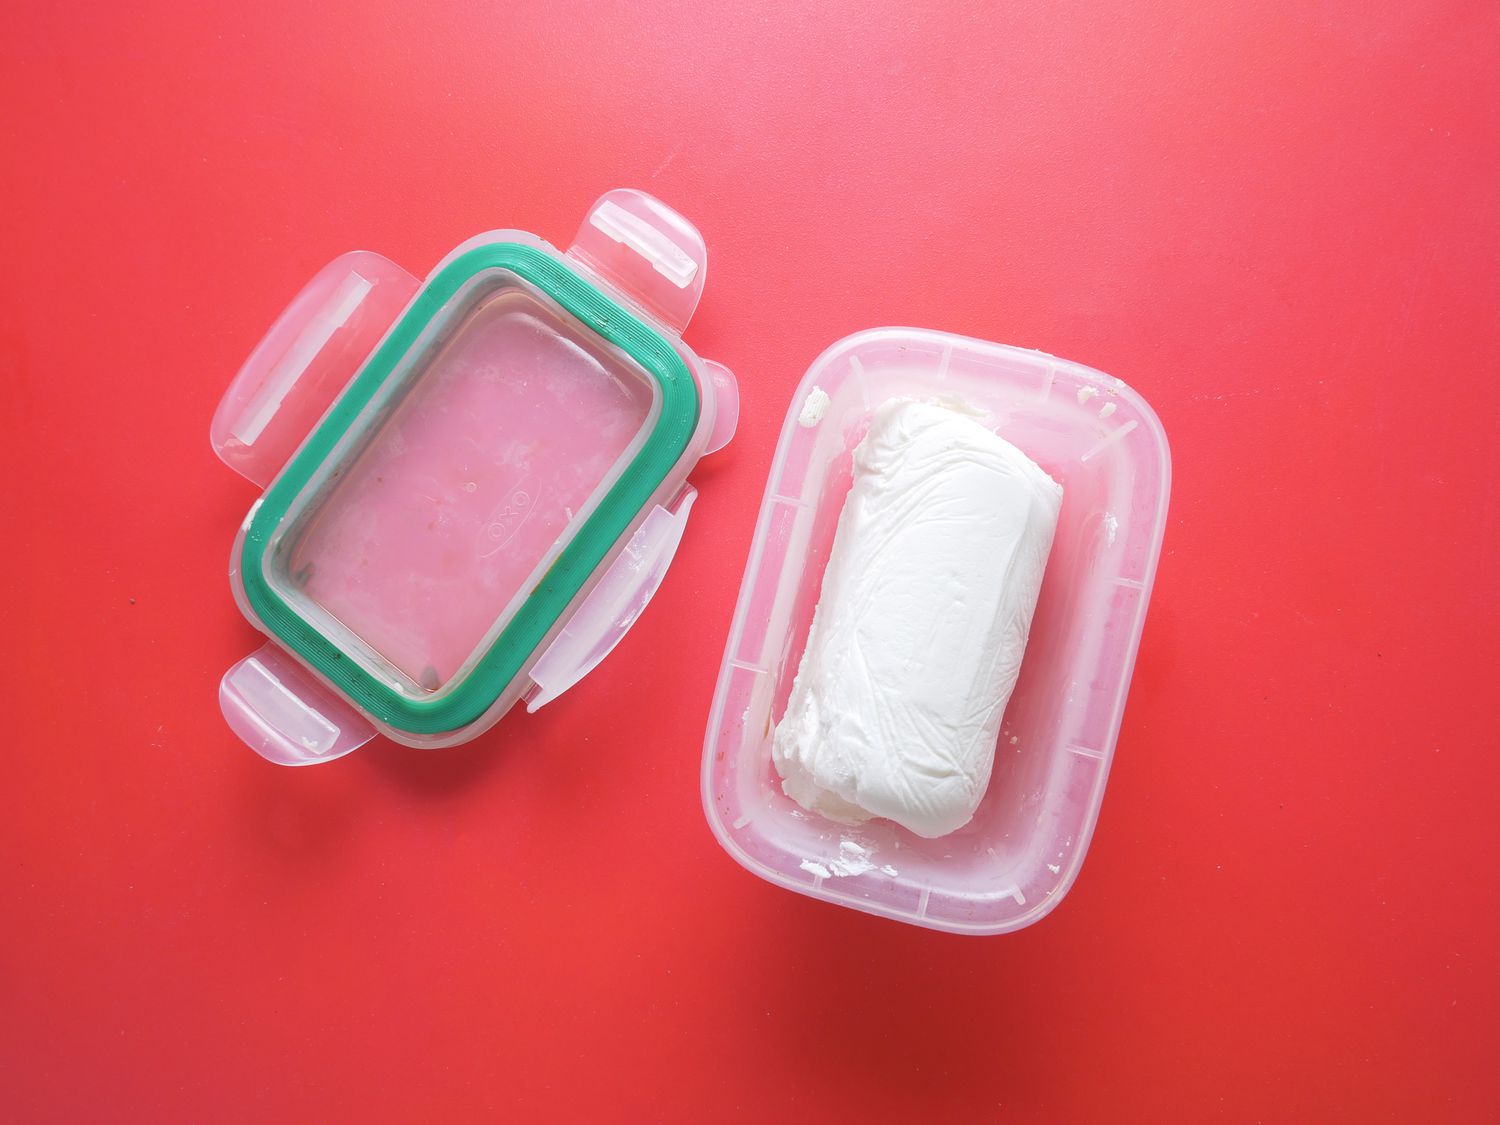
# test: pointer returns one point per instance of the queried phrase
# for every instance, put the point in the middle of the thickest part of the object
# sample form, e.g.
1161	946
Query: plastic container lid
492	496
1021	852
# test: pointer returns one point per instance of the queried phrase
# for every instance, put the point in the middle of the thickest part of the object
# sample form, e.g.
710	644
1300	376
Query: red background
1279	221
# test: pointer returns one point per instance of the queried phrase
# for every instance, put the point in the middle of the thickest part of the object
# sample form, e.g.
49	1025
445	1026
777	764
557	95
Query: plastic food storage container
1016	859
472	484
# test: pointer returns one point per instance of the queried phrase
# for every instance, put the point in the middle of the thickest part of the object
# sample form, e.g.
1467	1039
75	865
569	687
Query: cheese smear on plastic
921	624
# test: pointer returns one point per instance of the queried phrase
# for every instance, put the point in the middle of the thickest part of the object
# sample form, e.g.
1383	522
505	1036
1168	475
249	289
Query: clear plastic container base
1021	852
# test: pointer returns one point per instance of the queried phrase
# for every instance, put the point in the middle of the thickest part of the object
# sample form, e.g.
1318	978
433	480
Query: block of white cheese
921	623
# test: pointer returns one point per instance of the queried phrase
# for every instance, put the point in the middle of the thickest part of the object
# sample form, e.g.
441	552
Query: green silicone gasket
467	699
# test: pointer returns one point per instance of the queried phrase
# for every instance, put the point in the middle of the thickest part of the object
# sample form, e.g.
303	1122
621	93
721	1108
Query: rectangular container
1016	859
473	484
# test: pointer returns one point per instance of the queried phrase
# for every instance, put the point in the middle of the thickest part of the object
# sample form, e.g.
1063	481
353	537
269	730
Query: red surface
1280	224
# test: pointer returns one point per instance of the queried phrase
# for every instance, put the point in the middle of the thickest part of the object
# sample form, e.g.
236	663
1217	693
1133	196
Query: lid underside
455	500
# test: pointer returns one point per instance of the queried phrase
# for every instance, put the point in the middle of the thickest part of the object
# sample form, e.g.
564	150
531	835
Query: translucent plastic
1019	855
479	459
305	360
433	532
646	250
284	713
613	605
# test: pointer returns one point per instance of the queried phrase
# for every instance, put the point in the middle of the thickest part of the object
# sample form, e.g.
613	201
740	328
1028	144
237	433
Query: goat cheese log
921	623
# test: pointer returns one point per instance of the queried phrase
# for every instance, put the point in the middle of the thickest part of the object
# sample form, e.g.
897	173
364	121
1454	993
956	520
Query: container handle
612	606
285	714
306	359
726	405
647	250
